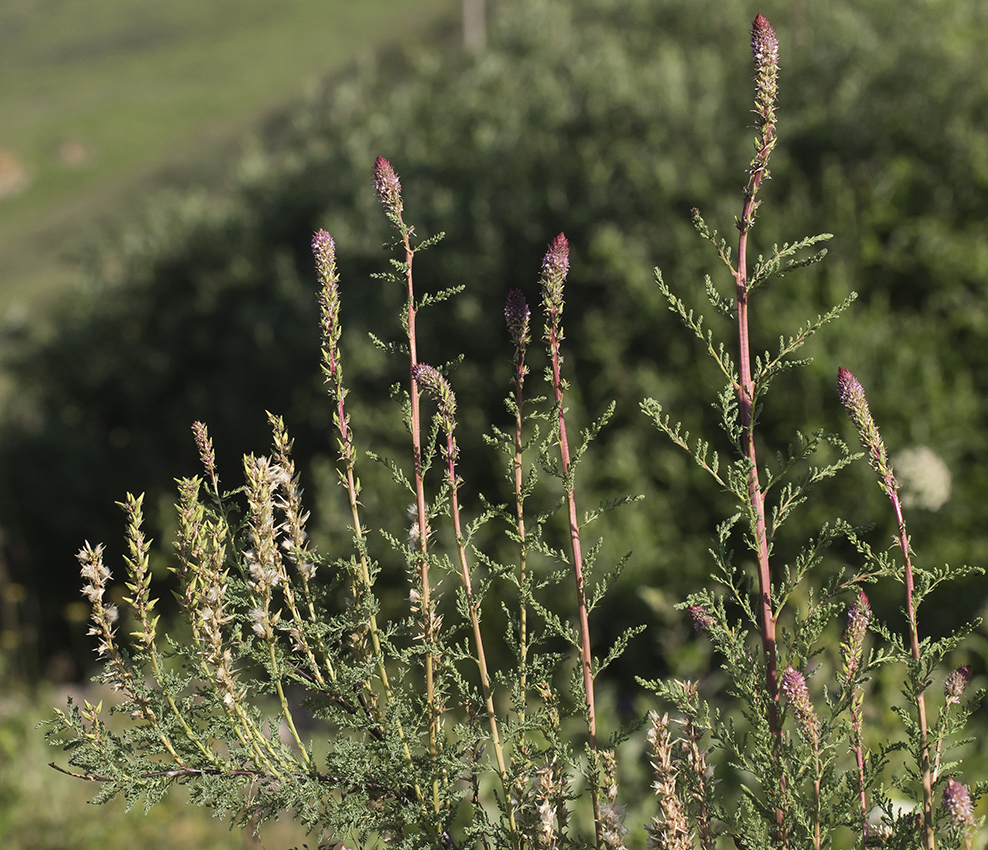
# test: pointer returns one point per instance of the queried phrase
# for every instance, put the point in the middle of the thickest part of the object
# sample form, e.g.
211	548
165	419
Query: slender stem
519	382
858	750
765	54
324	251
746	393
473	605
929	838
555	267
817	842
586	657
420	506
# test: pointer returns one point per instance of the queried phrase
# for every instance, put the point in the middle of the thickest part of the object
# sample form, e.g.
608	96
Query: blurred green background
606	119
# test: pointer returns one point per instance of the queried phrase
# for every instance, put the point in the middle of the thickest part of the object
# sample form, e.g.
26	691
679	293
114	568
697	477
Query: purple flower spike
324	251
852	396
388	187
555	267
765	53
955	683
517	315
701	619
858	618
794	687
957	801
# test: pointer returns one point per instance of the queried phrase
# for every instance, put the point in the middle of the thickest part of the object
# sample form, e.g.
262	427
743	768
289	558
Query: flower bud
858	618
431	380
701	619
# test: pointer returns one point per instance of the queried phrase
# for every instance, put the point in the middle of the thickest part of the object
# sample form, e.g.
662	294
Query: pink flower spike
517	315
957	801
388	187
701	619
555	267
956	682
794	687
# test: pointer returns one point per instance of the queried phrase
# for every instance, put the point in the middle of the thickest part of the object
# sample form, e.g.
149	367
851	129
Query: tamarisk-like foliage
289	688
804	790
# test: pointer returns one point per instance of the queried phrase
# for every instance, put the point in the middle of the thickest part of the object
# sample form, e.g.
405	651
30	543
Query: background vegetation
102	100
608	119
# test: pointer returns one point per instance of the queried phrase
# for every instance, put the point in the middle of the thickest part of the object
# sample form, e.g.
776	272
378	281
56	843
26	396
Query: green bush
608	119
469	716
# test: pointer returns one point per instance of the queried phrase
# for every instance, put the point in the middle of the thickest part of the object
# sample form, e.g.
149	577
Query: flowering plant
426	743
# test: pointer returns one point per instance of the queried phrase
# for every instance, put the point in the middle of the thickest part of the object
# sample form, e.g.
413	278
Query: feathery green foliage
417	738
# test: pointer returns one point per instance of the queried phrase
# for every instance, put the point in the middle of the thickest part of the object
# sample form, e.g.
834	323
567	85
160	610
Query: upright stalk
518	315
389	192
929	839
324	251
429	378
555	267
765	52
853	398
852	648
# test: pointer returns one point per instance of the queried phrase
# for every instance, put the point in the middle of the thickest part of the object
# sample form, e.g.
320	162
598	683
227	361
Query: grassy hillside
98	98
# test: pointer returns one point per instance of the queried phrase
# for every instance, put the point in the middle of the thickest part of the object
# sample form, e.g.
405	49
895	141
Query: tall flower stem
389	192
429	379
852	648
518	317
555	267
929	839
852	396
765	52
324	251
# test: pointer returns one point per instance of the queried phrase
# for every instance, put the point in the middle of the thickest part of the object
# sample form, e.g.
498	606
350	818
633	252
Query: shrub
608	119
429	744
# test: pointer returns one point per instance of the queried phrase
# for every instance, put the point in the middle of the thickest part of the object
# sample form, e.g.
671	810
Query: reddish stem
746	394
574	532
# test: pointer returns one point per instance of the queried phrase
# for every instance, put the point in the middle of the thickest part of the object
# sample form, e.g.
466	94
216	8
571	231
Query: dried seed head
669	830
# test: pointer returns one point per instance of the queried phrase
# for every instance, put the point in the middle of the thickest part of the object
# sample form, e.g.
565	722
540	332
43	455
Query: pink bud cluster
555	267
388	187
430	379
955	683
852	396
794	687
957	801
858	618
517	315
701	619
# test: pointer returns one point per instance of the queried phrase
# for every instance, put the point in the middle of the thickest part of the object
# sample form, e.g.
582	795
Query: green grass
133	87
